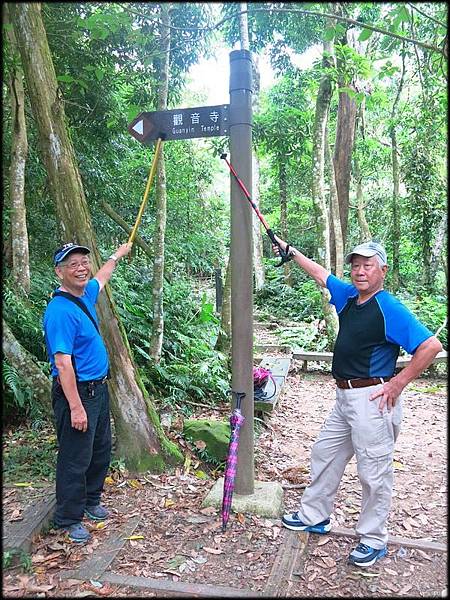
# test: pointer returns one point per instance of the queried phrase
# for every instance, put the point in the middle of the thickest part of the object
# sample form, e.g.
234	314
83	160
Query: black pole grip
285	255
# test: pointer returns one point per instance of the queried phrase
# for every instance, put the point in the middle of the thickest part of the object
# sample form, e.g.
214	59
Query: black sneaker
365	556
293	522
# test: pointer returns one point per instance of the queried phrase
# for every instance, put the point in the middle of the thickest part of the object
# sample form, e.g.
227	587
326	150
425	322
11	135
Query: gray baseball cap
368	249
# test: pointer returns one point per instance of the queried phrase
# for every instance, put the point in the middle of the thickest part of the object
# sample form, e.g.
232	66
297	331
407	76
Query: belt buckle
91	389
349	383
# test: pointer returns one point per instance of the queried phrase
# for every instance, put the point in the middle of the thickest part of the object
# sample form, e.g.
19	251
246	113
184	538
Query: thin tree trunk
395	228
318	189
20	263
161	196
24	363
438	247
343	147
258	265
223	343
334	212
140	438
282	189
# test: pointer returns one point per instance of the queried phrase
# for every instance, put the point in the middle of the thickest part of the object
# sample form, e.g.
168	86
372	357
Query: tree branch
411	5
310	13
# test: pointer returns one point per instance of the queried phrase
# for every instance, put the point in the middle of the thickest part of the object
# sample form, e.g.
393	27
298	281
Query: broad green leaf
329	34
365	35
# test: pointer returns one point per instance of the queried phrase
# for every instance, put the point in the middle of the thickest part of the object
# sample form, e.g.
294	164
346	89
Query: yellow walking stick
147	189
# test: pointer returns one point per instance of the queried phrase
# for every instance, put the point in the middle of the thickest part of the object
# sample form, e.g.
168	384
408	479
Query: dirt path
180	541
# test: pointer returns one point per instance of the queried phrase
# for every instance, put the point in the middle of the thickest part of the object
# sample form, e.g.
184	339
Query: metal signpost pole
240	131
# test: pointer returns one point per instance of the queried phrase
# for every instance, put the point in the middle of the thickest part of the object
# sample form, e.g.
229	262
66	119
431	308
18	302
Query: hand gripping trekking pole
285	254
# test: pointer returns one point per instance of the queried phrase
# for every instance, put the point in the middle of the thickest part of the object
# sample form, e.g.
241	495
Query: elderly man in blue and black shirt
365	420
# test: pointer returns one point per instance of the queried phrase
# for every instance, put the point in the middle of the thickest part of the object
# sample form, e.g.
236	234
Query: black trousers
83	457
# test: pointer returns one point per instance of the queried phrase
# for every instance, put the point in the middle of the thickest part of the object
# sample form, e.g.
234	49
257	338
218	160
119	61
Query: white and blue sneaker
294	522
365	556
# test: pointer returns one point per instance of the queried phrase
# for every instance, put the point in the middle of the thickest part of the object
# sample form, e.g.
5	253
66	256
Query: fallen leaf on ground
212	550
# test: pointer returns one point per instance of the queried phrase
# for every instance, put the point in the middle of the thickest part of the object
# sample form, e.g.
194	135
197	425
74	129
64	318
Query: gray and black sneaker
96	513
77	533
294	522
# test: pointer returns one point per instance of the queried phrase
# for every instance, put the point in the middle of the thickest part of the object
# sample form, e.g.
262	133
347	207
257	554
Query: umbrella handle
238	396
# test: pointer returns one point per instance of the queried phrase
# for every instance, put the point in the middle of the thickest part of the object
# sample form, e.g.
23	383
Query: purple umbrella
236	421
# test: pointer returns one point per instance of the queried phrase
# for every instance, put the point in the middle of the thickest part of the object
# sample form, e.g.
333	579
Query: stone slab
266	500
279	367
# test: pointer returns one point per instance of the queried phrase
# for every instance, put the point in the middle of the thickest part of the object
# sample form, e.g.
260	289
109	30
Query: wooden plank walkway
19	535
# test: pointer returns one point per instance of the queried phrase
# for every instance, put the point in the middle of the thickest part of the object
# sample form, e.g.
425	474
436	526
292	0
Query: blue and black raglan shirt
69	331
370	334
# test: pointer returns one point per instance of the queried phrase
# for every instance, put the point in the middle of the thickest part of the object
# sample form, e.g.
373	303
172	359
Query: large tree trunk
318	189
258	265
140	439
161	195
20	265
20	359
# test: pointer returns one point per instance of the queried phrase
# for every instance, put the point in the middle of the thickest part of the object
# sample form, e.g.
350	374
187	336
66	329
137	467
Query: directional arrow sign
180	124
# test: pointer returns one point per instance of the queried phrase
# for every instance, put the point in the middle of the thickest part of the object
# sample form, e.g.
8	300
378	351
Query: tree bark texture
318	190
364	235
223	343
20	262
343	147
395	228
140	438
438	246
282	189
24	363
159	235
335	217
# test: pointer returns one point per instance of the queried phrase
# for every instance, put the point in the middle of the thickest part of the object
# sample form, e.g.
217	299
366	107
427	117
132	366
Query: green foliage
190	368
431	310
308	337
300	302
29	454
17	557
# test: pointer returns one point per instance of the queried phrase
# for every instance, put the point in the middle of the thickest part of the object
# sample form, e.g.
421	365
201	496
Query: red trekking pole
285	254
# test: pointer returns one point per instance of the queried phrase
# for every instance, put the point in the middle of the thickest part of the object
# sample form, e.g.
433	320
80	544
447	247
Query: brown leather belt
348	384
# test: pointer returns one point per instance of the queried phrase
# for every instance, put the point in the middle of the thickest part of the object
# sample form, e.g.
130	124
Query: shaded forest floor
178	540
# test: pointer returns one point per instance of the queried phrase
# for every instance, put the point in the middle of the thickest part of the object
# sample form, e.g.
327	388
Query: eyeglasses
73	265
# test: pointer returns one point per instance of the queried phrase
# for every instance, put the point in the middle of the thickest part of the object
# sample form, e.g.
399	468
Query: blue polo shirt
69	331
371	333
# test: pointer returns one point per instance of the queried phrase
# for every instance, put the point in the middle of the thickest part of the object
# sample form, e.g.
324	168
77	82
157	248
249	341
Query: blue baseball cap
65	250
368	249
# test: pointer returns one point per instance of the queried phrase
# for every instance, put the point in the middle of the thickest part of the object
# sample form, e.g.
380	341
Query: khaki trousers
355	426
